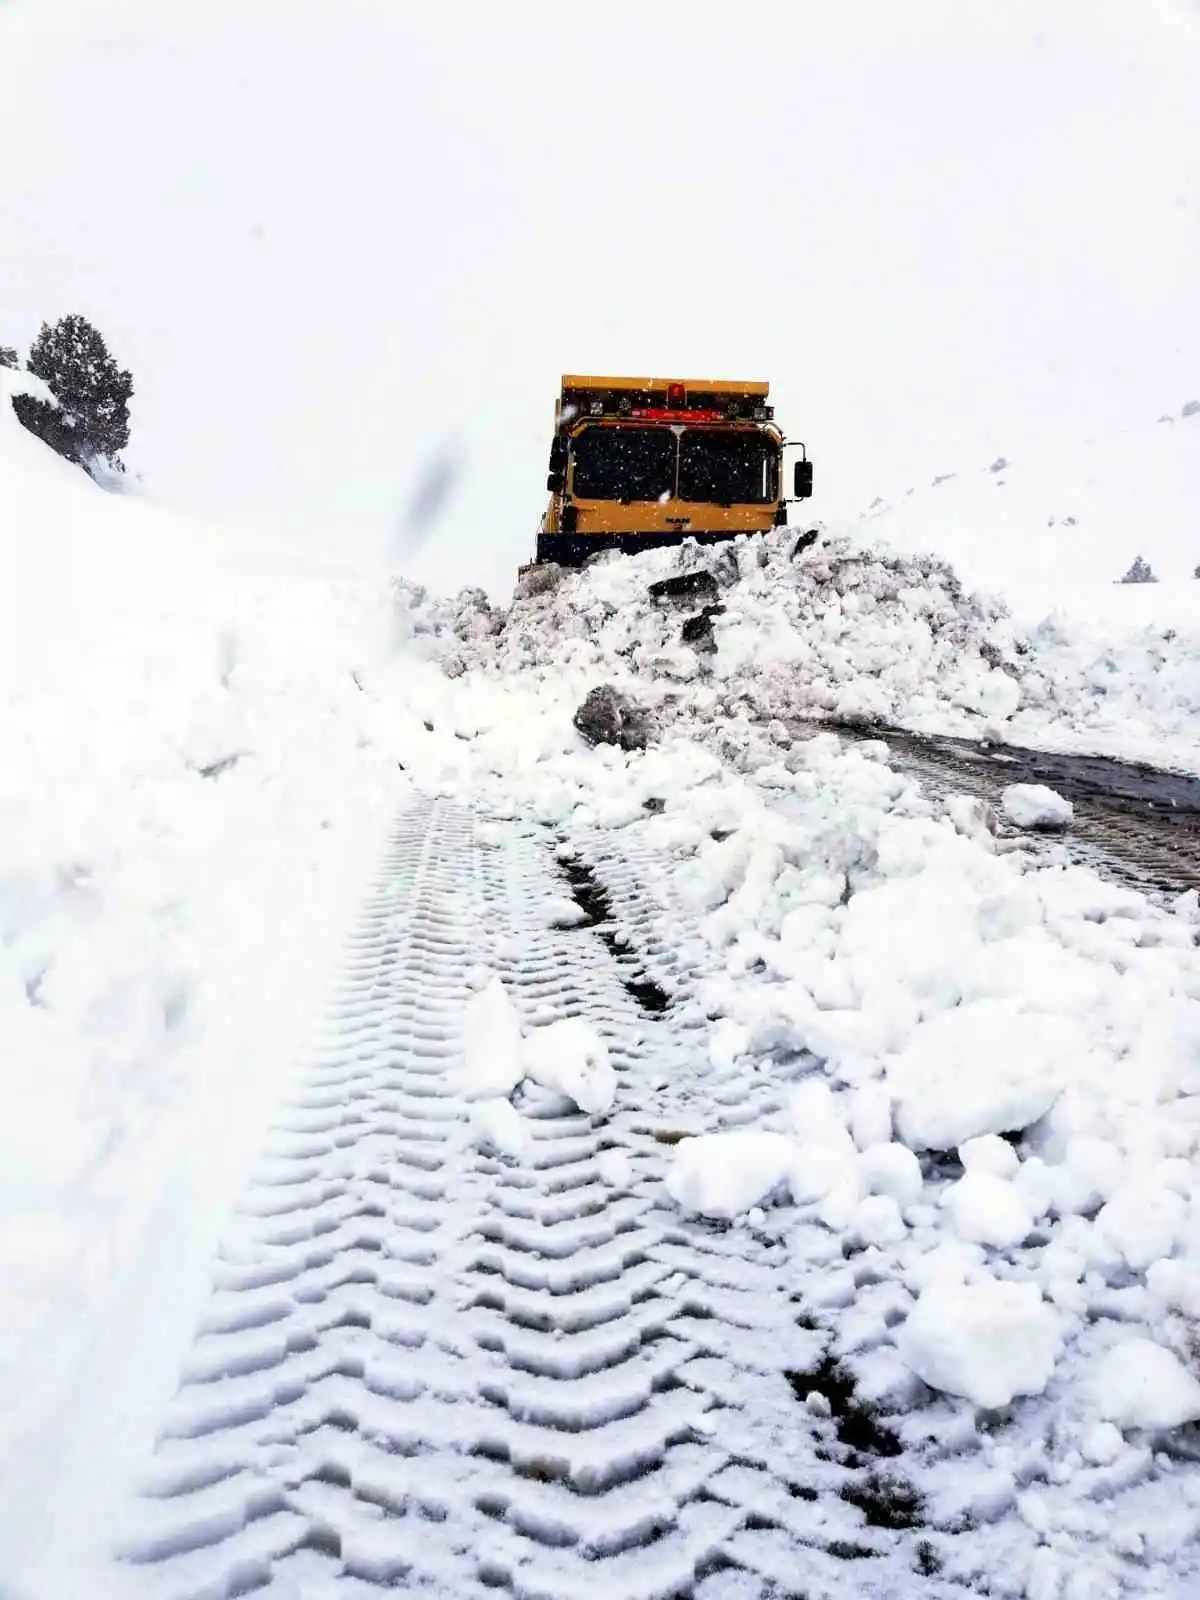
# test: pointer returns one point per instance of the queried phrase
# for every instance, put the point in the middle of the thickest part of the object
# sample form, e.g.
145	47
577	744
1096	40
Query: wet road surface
1132	822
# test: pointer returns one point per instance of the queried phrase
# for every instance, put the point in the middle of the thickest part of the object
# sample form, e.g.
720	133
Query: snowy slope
193	787
1057	520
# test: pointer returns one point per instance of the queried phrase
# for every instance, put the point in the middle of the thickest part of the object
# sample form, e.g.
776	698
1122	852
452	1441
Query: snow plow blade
574	550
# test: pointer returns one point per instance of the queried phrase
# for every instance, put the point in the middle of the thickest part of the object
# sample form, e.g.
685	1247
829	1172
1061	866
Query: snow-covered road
576	1354
430	1370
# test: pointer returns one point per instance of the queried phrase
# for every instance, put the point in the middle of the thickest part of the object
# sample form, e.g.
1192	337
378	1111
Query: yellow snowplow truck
637	463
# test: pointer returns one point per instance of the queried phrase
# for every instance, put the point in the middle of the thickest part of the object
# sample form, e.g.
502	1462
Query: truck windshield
727	468
624	463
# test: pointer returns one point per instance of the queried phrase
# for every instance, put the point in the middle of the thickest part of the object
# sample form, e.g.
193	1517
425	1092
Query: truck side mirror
556	480
802	484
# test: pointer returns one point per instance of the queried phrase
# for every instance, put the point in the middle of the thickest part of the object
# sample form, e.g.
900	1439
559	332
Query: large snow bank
196	766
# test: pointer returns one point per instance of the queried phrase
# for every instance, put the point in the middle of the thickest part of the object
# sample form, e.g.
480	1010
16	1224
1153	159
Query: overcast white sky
334	239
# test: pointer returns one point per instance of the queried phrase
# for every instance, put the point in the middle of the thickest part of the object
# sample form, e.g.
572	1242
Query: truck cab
637	463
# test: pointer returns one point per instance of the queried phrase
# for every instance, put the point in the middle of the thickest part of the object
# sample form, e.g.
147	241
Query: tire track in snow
427	1370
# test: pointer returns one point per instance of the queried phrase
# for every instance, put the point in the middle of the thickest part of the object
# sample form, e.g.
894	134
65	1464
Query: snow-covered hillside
195	780
1059	522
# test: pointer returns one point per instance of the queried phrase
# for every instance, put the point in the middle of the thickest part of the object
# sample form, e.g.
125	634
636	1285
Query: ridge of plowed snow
857	633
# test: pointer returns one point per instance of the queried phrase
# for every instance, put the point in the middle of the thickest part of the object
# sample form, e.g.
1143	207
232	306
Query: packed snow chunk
541	579
877	1220
893	1170
563	912
989	1153
571	1058
837	1210
1139	1384
987	1210
1177	1285
972	817
727	1041
1142	1222
492	1062
985	1066
723	1175
823	1157
987	1341
498	1124
950	1261
1033	805
1101	1445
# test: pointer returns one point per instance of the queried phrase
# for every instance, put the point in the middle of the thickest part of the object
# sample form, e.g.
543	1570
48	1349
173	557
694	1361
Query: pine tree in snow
91	422
8	356
1139	572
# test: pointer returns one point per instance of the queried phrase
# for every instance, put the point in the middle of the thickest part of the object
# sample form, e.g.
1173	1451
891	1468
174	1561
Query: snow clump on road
988	1342
571	1058
725	1174
491	1037
1033	805
1139	1384
567	1057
